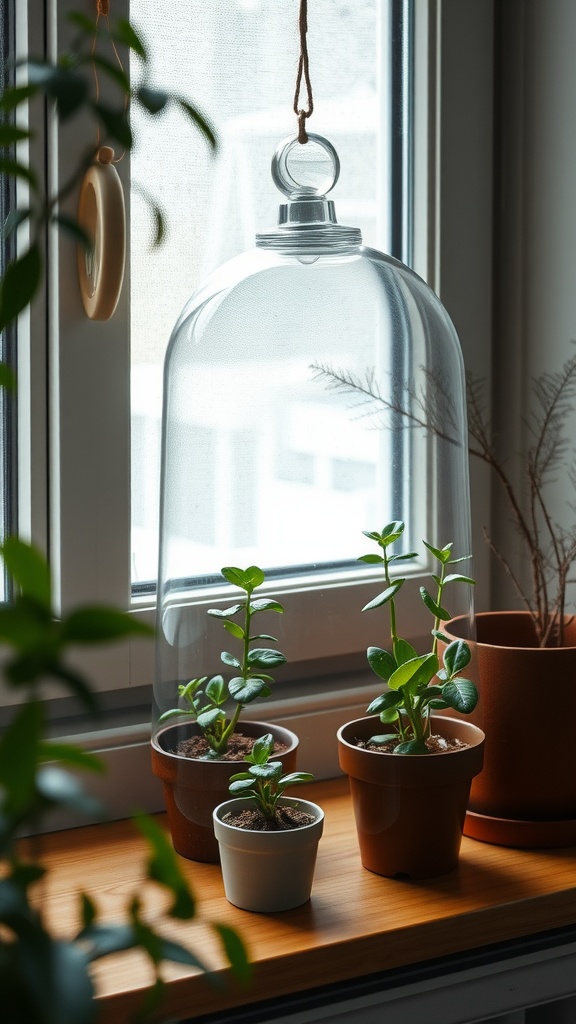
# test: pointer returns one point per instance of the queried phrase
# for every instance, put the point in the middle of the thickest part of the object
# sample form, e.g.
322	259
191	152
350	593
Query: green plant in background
264	780
44	980
205	696
412	693
69	86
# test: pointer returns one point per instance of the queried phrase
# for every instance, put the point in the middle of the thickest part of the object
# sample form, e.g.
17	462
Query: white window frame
82	519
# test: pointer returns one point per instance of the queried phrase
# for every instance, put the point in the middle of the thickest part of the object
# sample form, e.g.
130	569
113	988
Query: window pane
237	60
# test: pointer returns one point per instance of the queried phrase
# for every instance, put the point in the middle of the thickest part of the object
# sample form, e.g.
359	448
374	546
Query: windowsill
356	923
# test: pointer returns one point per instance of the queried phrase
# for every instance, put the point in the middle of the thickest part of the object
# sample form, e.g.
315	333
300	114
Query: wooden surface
355	924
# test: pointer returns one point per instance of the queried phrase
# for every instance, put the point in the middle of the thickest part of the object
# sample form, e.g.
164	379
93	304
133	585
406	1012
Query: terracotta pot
194	787
410	809
268	871
529	770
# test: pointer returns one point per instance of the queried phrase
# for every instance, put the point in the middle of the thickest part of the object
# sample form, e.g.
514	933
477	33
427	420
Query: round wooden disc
102	214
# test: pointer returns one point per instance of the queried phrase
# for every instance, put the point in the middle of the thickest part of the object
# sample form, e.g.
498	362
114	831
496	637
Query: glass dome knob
309	169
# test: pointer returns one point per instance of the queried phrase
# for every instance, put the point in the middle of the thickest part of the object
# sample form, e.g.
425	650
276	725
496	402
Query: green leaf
177	954
247	579
403	558
265	605
83	22
296	778
216	690
386	700
153	100
88	910
115	123
15	218
388	737
261	749
460	694
381	662
403	651
246	690
7	378
198	120
270	770
12	98
371	559
28	568
14	169
104	939
98	624
10	134
229	659
442	554
75	757
208	718
222	613
389	715
414	673
265	657
385	596
437	611
164	867
235	951
77	233
19	285
234	628
412	747
156	211
125	33
241	785
456	656
455	577
19	751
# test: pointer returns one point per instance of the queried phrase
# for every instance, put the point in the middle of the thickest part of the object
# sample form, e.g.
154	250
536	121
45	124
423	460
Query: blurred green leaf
12	98
201	123
60	787
14	219
235	951
28	569
19	285
74	229
19	752
163	867
7	378
115	123
14	169
74	757
98	623
126	33
9	134
83	22
153	100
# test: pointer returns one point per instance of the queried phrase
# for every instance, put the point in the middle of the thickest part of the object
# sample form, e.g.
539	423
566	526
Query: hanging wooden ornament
102	215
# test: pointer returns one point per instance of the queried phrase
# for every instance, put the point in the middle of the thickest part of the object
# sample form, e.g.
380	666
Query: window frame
68	362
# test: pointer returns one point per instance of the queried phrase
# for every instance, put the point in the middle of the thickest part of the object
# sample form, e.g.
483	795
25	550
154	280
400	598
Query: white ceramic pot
268	871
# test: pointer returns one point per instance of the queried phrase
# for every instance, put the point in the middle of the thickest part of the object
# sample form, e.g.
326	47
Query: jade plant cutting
417	683
264	780
205	696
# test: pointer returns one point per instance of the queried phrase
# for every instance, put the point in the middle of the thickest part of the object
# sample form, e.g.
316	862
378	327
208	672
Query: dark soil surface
436	745
254	820
238	746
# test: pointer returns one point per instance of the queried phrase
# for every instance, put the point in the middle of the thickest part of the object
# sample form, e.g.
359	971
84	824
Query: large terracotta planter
410	809
194	787
526	794
268	871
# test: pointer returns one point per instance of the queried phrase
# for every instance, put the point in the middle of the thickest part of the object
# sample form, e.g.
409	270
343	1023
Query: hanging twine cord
103	11
302	113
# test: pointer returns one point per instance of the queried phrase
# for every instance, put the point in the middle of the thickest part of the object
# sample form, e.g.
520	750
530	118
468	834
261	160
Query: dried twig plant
549	546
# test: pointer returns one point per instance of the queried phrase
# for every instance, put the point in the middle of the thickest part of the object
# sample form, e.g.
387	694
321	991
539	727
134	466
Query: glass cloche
313	389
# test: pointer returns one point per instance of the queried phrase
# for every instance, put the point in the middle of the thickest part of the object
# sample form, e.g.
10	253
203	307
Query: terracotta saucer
527	835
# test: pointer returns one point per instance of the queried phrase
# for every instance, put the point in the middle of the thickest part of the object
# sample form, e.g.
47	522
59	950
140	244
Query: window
76	375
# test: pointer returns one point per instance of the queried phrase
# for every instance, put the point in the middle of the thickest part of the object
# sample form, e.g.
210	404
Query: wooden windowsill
355	924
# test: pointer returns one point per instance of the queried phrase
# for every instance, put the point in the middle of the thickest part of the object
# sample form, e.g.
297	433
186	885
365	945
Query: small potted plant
268	842
410	783
198	745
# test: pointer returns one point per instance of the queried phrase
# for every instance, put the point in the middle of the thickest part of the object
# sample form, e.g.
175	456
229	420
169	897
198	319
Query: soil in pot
193	787
410	809
253	819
